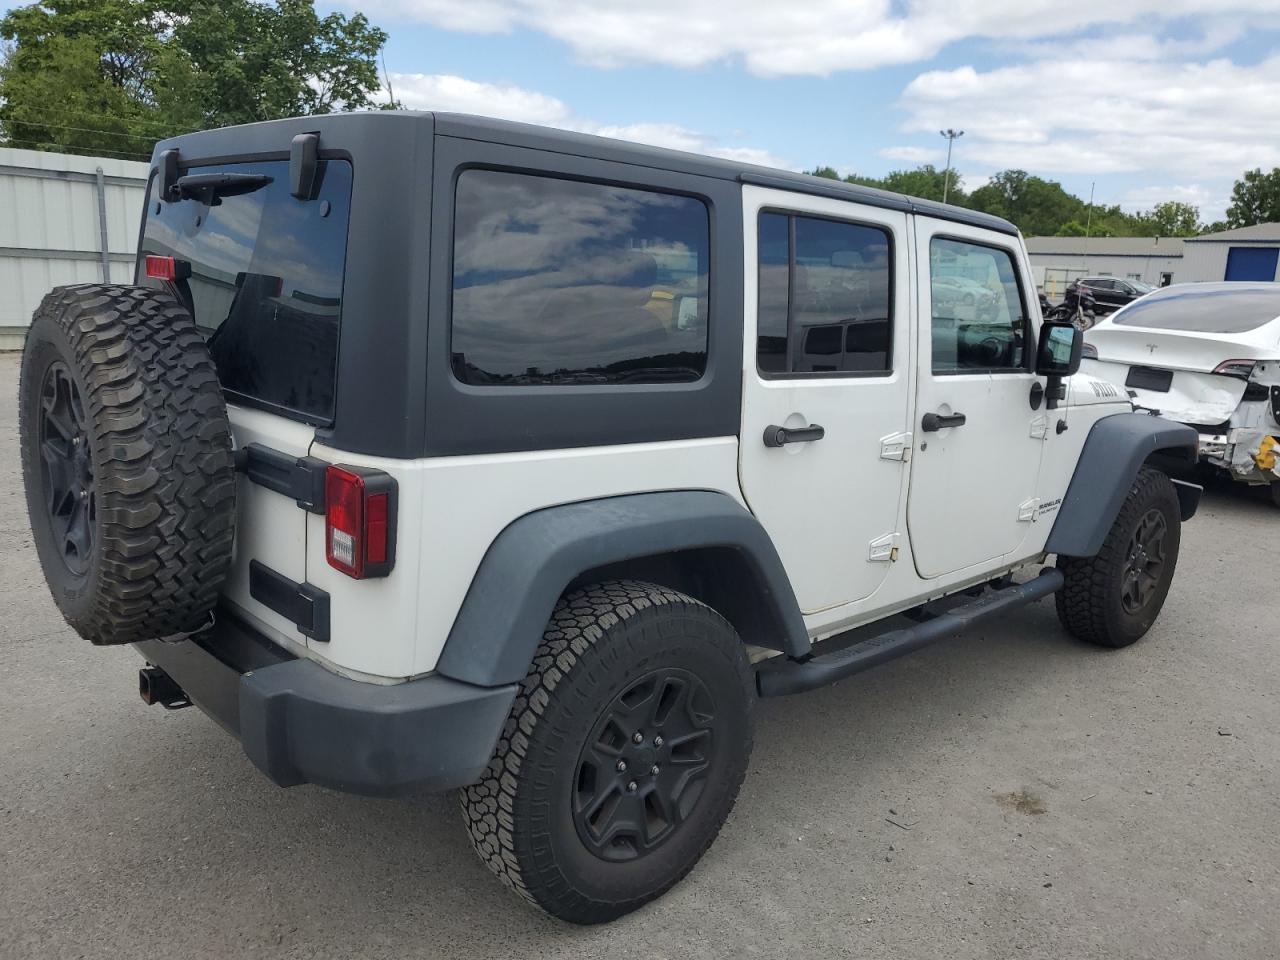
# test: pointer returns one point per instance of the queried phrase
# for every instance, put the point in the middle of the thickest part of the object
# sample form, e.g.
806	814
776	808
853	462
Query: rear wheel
1112	599
622	756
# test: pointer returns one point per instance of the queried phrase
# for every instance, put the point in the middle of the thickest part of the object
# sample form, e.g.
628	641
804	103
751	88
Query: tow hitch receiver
156	686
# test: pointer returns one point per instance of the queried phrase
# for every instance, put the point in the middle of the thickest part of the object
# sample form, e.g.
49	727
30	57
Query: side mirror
1058	354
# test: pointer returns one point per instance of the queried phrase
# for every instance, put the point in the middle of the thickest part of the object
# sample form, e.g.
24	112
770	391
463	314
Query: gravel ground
1051	800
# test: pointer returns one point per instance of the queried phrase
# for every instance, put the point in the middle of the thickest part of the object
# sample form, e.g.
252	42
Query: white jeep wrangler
432	451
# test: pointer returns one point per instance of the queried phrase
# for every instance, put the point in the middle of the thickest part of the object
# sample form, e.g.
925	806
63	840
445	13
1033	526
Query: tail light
360	521
1235	368
166	268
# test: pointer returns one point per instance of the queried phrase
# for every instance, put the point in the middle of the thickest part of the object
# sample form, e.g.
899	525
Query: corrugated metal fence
63	219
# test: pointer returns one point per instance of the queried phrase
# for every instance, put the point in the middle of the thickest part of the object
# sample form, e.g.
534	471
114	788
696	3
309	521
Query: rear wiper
208	188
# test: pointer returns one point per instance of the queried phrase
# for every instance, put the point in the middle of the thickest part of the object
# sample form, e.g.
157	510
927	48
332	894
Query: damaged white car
1208	355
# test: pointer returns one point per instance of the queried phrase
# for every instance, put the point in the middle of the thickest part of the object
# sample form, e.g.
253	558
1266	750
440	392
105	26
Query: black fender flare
535	557
1113	453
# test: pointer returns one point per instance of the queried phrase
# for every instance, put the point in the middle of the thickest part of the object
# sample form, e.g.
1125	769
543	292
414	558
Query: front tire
1112	599
623	754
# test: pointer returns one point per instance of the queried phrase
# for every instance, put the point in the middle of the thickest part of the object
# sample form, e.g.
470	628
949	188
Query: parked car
1111	293
950	293
1208	355
544	455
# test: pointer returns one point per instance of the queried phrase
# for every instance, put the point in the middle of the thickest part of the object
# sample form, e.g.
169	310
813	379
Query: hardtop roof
605	148
206	144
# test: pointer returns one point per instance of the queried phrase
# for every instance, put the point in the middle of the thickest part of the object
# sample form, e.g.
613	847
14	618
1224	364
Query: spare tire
127	462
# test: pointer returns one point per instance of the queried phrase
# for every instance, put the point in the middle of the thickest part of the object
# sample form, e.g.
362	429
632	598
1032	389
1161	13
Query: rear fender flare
530	563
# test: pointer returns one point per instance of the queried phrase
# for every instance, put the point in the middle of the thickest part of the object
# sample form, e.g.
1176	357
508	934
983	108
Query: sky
1148	100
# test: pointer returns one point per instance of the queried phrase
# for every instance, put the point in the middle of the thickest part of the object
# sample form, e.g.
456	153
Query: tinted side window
264	282
978	320
825	296
565	282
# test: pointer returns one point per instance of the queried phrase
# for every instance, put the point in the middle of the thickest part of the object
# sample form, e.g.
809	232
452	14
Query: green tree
1038	207
1255	198
1169	219
1072	228
827	173
114	76
926	182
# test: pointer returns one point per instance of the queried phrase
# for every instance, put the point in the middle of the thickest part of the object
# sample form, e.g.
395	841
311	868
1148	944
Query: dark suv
1111	293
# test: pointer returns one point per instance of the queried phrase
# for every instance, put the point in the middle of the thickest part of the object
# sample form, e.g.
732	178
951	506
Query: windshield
1141	287
1205	308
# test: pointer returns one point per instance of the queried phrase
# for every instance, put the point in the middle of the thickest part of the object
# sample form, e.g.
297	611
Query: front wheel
622	756
1112	599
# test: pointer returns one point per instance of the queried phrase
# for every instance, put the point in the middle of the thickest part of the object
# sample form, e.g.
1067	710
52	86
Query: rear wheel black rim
66	469
1144	563
645	765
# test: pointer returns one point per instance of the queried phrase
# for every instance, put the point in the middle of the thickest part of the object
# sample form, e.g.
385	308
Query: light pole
952	136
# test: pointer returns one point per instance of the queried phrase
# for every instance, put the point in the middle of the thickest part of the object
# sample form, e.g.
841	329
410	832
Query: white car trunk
1172	370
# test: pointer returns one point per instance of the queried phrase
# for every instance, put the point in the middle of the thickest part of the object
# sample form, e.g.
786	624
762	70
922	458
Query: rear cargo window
561	282
1231	308
265	282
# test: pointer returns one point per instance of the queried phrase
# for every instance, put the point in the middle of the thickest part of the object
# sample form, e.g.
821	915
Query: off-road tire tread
582	619
162	455
1083	602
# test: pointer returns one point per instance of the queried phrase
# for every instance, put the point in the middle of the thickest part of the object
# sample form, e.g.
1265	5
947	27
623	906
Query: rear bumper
299	723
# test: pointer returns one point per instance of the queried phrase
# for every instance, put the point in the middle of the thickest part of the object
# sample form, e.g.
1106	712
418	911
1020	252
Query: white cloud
1207	122
819	37
439	91
449	93
914	155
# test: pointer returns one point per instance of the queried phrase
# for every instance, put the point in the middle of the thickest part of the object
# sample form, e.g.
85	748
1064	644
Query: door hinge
1040	427
1027	509
896	446
883	549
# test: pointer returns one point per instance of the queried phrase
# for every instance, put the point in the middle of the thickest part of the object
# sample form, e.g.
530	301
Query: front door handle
775	436
933	422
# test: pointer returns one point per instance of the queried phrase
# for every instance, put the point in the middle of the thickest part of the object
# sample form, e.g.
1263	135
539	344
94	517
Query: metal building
1056	261
63	219
1246	253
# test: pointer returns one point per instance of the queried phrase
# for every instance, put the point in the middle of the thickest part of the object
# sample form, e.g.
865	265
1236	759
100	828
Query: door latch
1027	510
896	446
1040	427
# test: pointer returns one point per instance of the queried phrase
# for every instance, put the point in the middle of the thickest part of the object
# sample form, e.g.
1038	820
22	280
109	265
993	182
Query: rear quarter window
264	275
566	282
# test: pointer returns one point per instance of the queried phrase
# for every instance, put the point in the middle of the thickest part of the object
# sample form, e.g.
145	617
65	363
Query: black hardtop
344	130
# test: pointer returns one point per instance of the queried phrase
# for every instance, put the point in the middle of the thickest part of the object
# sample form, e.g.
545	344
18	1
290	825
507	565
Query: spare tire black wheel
127	462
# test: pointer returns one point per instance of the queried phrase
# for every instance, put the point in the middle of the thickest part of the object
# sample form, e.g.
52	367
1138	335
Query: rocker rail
780	677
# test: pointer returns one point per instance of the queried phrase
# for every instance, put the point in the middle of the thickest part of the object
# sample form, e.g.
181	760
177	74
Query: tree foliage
114	76
1255	198
1042	208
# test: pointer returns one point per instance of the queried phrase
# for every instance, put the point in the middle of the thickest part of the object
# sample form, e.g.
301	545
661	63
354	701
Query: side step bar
780	676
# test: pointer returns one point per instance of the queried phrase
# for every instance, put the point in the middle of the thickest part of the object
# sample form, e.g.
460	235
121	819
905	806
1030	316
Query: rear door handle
933	422
775	436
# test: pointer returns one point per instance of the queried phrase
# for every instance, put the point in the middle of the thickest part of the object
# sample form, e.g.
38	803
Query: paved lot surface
1061	802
